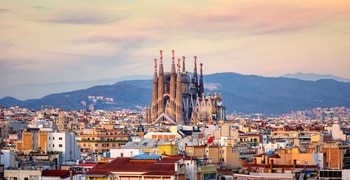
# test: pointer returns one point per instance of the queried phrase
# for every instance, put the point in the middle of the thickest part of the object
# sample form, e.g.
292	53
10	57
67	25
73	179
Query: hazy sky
63	40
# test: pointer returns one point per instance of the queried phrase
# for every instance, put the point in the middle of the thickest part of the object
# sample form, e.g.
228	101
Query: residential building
66	143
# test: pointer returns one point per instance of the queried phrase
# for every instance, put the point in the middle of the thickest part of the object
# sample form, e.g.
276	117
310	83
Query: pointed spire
155	64
179	106
154	93
161	56
178	64
160	85
195	65
172	69
172	56
161	70
194	88
183	64
172	88
201	84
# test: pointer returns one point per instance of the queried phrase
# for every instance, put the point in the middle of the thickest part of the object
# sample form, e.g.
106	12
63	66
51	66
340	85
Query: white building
335	130
272	146
66	143
115	153
7	158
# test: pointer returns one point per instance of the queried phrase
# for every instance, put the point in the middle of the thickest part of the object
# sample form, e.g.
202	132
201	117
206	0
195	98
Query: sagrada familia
178	96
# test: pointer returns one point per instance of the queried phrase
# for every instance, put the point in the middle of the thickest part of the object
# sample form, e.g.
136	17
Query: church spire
154	93
183	64
172	85
179	106
194	88
201	84
161	85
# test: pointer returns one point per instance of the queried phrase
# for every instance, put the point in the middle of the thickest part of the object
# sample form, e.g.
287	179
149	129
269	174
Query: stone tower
179	95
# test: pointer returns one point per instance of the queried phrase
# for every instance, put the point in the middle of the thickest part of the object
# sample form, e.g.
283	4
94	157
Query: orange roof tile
165	166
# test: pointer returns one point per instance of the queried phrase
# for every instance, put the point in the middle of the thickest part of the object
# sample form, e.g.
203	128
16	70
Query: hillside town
184	134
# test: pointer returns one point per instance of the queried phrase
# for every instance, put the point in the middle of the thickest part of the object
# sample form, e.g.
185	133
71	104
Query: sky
45	41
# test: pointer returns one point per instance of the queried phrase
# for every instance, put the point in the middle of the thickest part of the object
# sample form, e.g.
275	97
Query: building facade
66	143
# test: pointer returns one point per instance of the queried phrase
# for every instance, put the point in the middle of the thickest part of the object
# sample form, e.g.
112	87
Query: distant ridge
315	77
39	90
241	93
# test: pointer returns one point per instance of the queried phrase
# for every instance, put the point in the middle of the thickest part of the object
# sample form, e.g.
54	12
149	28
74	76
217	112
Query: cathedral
178	96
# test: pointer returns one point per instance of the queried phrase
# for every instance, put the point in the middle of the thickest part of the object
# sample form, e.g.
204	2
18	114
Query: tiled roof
165	166
275	156
57	173
170	173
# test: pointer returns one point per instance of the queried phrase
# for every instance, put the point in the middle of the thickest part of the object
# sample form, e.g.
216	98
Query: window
305	162
60	145
33	177
60	138
330	173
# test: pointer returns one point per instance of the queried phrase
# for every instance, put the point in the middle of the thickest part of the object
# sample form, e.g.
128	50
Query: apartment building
93	140
66	143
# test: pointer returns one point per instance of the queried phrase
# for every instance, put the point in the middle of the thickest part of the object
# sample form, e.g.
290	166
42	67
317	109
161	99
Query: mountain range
315	77
241	93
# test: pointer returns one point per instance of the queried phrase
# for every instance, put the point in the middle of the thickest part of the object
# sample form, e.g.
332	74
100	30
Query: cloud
79	19
2	10
260	18
38	7
5	44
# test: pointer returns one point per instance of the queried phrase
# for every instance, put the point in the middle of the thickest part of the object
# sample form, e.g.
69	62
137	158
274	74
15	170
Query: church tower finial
161	56
155	64
178	64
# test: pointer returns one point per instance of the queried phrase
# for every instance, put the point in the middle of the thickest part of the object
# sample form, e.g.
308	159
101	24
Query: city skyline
59	41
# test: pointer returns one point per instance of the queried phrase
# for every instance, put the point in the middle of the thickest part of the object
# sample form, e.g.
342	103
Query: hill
241	93
315	77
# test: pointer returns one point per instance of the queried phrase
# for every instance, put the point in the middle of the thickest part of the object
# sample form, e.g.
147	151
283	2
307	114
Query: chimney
294	163
244	162
271	165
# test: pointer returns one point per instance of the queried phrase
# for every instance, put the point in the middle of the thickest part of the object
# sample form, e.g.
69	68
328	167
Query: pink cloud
263	17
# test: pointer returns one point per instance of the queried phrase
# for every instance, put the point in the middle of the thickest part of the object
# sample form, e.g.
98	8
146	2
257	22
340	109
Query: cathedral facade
178	96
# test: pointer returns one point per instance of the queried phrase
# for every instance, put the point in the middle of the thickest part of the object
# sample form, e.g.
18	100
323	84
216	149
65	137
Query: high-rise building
178	96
